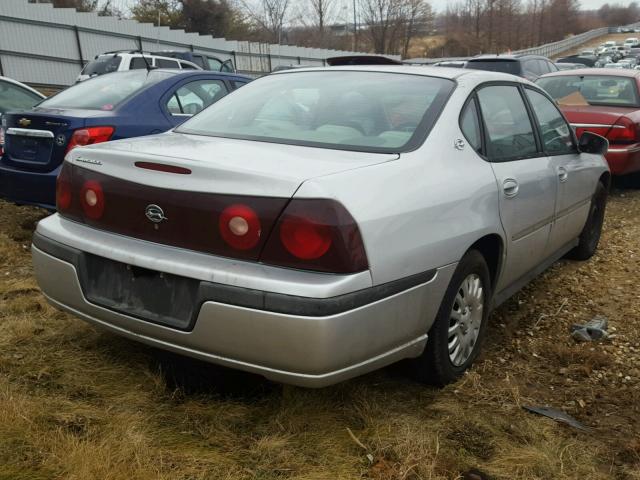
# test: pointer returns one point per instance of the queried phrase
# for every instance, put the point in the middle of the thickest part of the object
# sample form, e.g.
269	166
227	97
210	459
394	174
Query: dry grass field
78	403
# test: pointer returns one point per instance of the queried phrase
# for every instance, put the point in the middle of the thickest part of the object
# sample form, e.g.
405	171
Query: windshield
102	65
105	92
364	111
504	66
592	90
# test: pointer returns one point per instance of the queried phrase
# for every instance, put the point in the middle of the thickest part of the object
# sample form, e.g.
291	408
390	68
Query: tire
590	235
437	365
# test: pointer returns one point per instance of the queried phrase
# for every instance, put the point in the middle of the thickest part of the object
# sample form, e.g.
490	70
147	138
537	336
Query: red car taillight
307	234
89	136
92	199
316	234
76	197
240	227
624	131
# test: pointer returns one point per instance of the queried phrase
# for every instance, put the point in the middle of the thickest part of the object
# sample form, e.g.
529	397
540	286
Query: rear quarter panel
423	210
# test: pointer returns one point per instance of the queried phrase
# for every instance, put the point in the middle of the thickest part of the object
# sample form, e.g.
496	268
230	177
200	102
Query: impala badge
24	122
60	140
154	213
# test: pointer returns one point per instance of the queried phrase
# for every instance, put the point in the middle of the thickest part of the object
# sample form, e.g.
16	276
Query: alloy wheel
465	319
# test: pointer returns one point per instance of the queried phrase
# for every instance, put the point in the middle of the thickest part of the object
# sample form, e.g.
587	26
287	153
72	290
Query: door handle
563	174
510	187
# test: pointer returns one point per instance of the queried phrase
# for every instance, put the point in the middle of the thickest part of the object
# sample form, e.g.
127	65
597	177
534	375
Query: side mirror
592	143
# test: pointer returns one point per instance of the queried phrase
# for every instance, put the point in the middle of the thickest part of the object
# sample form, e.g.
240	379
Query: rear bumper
624	159
27	187
305	341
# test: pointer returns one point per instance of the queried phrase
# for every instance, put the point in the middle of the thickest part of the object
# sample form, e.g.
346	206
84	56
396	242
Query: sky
585	4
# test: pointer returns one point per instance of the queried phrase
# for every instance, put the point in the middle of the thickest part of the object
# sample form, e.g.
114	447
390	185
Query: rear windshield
363	111
102	65
504	66
592	90
105	92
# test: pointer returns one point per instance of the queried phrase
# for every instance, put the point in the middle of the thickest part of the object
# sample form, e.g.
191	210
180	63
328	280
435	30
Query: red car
604	101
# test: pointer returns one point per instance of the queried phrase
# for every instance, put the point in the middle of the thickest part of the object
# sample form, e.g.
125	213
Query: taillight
92	199
64	188
240	227
1	141
316	234
624	131
89	136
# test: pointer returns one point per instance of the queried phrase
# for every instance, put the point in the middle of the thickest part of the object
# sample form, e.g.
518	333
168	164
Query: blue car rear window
105	92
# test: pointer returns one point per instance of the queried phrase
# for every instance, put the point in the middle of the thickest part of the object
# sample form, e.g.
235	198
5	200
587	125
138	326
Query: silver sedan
318	224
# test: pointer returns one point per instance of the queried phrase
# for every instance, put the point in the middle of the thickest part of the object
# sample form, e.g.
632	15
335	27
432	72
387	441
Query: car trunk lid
37	140
596	119
174	189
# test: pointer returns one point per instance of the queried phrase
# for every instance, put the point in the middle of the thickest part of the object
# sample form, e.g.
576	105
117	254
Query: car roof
616	72
20	84
427	71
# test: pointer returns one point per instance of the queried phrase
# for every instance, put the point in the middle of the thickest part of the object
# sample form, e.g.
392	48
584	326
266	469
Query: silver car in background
319	224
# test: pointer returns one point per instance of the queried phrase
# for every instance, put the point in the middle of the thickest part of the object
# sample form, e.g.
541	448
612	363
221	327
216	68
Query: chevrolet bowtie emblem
24	122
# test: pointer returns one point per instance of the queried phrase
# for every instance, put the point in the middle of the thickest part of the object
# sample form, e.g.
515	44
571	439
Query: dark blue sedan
109	107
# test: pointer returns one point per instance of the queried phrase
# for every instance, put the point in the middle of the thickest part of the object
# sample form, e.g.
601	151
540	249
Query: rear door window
509	131
194	97
166	63
187	66
139	63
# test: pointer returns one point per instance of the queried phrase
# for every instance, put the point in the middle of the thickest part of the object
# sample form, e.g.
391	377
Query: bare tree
270	17
416	18
323	12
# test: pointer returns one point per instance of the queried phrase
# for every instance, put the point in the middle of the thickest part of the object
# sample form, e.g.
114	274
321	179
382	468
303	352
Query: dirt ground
79	403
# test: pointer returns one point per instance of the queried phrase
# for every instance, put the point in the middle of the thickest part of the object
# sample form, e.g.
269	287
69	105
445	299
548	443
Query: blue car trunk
37	140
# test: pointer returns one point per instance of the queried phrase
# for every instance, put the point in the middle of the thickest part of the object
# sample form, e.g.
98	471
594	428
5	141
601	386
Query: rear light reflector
624	131
92	199
89	136
161	167
316	234
240	227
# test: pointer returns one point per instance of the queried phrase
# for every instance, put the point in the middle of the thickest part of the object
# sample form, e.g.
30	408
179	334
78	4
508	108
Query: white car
15	96
130	60
632	42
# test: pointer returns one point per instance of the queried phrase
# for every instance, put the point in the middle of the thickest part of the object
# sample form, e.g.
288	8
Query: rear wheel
458	330
590	236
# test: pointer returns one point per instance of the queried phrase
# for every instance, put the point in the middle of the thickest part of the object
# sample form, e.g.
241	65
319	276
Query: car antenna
144	59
